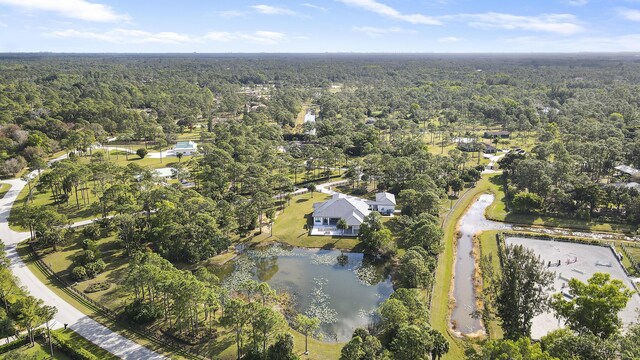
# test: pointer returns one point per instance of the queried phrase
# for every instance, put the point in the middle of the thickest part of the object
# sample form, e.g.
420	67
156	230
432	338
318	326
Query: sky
318	26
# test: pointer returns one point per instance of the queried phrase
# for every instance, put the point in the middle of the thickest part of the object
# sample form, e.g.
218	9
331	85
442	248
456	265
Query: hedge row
21	341
557	238
68	349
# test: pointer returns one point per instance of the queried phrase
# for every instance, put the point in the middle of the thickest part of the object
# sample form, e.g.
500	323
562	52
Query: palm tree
342	225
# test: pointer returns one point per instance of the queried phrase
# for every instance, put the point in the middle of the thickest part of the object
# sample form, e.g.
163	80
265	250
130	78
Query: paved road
67	314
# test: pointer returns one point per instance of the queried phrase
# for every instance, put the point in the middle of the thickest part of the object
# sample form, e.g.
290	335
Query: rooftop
186	145
628	169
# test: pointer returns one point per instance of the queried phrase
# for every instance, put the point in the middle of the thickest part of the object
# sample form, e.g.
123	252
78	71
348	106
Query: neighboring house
185	147
163	174
501	134
628	170
473	146
352	209
385	203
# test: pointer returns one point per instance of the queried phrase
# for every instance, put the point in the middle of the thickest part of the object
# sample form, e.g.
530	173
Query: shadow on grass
302	200
222	343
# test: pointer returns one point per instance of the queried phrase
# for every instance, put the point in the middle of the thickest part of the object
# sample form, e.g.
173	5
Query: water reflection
342	289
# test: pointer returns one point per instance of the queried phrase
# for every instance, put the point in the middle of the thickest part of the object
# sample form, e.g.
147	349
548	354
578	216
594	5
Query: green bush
79	273
141	312
70	349
21	341
97	286
95	268
92	231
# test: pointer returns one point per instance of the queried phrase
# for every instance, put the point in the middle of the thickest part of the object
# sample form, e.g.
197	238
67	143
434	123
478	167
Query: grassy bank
290	227
498	211
441	304
489	247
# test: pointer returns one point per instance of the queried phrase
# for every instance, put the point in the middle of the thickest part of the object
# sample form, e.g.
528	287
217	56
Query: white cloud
124	36
76	9
377	31
388	11
231	13
129	36
272	10
629	14
317	7
2	24
564	24
576	2
218	36
449	39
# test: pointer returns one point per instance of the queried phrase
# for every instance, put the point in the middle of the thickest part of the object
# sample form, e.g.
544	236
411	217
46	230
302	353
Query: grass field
289	227
489	247
441	303
40	350
78	341
498	211
85	212
4	189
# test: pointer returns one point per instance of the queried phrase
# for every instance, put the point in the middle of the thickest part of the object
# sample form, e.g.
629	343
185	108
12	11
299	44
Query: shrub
79	273
92	231
95	268
142	152
141	312
70	349
84	257
97	286
360	190
104	223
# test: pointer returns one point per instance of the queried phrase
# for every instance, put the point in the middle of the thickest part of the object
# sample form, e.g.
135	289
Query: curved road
67	314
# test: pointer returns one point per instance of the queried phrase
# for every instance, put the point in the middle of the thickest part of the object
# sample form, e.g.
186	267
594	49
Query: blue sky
319	25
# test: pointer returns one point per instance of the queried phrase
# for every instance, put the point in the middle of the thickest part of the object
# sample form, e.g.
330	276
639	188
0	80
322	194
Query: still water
342	294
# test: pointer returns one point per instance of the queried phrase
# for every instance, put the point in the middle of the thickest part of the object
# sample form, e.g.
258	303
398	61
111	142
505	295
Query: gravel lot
589	259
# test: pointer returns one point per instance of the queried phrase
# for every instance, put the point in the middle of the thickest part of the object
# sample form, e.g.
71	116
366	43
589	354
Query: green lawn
79	342
4	189
40	350
71	210
61	262
119	158
489	246
85	212
498	211
289	226
189	135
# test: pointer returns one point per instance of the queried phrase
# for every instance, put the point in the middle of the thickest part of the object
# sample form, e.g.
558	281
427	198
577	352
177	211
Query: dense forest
412	125
52	103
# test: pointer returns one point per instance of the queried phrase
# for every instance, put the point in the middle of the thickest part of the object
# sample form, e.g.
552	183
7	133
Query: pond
342	294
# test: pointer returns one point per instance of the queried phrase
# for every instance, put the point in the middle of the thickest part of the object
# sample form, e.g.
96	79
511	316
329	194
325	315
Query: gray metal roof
385	198
627	169
352	209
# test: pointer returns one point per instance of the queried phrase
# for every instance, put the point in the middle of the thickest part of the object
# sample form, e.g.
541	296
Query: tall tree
521	291
307	326
594	306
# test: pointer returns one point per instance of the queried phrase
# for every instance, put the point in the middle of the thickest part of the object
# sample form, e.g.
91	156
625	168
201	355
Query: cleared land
590	259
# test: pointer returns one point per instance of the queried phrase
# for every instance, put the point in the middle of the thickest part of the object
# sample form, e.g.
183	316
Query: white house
385	203
185	147
352	209
627	170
